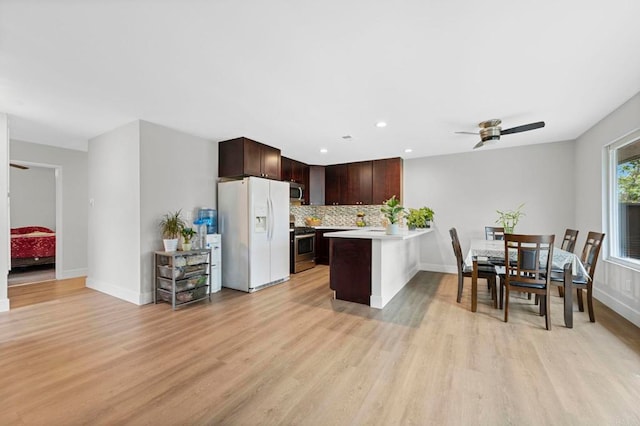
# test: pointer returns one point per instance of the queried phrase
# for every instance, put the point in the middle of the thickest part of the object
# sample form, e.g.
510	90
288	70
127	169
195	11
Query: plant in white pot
171	226
393	211
187	235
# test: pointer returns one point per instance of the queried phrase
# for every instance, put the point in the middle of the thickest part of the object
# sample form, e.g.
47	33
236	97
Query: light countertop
342	227
375	233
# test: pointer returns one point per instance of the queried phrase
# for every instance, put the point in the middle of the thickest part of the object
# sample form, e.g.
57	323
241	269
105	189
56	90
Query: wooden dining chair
493	233
589	259
569	240
568	244
529	271
486	271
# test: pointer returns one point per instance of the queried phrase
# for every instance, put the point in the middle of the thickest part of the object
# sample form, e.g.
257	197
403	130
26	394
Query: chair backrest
591	251
528	259
493	233
569	240
457	250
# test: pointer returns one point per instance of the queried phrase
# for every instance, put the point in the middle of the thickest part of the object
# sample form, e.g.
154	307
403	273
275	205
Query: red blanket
32	241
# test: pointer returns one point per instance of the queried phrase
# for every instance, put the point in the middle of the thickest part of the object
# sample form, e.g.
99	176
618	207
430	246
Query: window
624	199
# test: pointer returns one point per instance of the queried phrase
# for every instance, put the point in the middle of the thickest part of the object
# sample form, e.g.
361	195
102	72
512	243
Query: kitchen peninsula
370	267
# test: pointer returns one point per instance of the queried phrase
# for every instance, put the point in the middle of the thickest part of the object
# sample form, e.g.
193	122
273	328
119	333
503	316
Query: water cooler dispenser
208	237
206	225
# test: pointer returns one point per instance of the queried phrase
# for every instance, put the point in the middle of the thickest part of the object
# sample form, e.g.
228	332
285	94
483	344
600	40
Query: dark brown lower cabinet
322	246
350	269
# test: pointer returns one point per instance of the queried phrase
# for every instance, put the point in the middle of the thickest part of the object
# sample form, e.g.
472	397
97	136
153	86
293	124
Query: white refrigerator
253	219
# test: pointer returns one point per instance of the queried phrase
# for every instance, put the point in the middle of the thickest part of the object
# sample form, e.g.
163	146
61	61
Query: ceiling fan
19	166
490	130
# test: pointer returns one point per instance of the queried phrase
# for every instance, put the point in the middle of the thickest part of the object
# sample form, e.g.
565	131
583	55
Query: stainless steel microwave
296	191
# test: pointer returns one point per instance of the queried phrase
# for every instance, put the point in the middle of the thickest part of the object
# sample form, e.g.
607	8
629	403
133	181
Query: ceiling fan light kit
490	130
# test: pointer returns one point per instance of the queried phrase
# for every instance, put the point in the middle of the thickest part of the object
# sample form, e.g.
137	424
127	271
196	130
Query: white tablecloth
485	249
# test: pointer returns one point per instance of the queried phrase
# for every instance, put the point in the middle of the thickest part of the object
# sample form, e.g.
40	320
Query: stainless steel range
304	248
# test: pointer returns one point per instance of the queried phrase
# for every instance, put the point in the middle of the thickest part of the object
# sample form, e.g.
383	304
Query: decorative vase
170	244
186	246
393	229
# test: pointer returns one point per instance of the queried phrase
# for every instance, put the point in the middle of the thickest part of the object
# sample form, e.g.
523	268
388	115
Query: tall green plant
510	218
172	225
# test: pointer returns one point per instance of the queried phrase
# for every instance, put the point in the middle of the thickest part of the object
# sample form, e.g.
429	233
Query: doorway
35	217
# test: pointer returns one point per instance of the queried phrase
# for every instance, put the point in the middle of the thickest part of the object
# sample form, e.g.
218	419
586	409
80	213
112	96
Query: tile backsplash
338	215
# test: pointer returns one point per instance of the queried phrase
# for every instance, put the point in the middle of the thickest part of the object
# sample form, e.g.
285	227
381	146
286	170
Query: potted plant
171	226
420	218
187	235
392	210
509	219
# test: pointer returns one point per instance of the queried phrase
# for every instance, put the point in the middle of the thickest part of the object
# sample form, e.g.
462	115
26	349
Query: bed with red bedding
32	245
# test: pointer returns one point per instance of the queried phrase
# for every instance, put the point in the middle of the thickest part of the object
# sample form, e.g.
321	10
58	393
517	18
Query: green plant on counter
187	234
392	210
510	218
419	218
172	225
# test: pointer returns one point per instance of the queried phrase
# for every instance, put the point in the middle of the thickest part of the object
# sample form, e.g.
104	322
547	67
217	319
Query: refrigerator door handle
270	220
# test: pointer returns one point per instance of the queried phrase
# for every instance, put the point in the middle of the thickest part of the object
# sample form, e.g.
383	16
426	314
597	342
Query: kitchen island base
372	265
350	270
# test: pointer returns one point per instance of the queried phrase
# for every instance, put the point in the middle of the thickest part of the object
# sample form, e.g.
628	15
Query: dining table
561	260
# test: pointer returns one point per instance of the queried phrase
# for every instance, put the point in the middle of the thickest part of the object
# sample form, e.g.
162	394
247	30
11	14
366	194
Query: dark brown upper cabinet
294	171
335	190
363	182
298	172
359	183
246	157
348	184
387	179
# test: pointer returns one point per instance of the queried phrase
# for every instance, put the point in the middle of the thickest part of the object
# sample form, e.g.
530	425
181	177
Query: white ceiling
299	75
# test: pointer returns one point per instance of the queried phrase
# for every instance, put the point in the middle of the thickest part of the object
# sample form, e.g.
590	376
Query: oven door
304	252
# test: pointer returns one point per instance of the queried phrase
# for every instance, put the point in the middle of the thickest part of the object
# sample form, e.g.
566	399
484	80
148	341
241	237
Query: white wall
33	197
114	216
137	173
465	190
72	164
615	285
4	211
177	171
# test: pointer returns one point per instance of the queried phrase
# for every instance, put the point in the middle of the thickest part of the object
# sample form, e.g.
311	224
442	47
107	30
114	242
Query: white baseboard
436	267
619	307
146	298
71	273
119	292
4	305
375	302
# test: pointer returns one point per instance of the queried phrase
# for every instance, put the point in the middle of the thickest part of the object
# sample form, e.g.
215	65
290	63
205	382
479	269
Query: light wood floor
40	292
291	355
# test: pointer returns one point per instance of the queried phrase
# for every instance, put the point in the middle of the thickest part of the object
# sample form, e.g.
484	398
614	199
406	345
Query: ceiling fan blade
19	166
524	128
479	145
467	133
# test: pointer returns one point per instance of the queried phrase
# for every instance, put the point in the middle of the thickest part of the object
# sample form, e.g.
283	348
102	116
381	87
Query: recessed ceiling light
324	150
408	150
381	124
